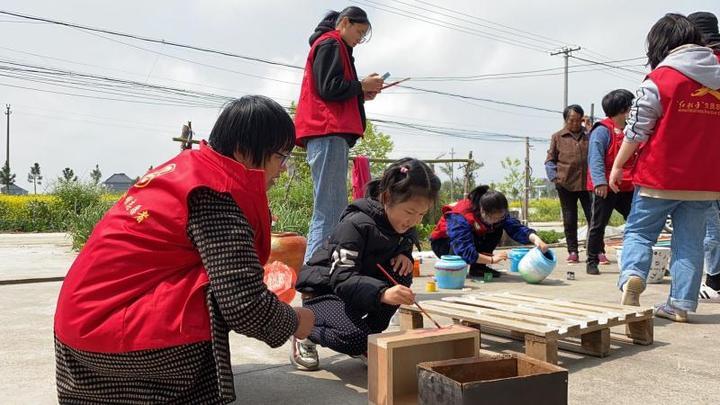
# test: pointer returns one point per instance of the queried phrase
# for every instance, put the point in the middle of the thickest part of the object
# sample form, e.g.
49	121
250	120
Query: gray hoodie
696	62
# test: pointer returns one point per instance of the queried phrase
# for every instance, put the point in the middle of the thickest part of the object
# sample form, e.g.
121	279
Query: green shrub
81	225
550	236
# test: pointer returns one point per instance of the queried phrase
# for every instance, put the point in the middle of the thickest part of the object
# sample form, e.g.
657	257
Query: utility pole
452	175
7	150
468	173
566	51
526	205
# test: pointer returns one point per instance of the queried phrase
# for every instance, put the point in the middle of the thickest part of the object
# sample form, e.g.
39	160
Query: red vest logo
146	179
705	91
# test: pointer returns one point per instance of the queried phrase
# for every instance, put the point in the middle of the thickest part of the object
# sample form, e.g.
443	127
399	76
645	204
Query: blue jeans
328	160
712	240
646	220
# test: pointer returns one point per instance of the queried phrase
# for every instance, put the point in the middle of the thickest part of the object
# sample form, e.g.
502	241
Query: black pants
485	244
602	208
568	205
345	329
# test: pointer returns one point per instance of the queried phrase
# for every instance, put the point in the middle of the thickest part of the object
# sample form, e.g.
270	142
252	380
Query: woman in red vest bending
472	228
676	117
145	310
330	114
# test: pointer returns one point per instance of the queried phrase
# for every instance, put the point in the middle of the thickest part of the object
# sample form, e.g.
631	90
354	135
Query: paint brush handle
392	280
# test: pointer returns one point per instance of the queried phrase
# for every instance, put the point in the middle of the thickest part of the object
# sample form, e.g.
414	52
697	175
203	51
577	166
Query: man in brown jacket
566	166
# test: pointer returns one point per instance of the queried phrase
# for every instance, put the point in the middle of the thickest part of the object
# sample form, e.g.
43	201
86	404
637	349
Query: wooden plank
641	332
597	342
500	316
588	308
563	326
616	307
541	348
410	319
583	321
479	318
525	303
568	344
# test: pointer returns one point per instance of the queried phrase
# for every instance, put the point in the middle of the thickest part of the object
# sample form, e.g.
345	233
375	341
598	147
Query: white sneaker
634	286
304	355
707	294
668	312
362	357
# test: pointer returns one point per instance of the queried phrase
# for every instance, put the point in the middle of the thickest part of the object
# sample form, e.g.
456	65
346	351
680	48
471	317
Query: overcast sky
60	131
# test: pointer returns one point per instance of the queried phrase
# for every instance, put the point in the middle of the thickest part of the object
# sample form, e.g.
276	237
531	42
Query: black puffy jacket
345	265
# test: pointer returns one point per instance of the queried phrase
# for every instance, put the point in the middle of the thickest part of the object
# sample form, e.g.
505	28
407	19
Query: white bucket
658	266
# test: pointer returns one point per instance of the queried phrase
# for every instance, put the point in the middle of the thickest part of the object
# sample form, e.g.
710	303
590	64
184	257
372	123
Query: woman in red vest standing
472	228
675	117
145	310
330	115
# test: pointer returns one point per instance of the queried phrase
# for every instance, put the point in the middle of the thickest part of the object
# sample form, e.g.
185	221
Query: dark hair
572	107
404	179
355	15
488	200
617	102
668	33
255	126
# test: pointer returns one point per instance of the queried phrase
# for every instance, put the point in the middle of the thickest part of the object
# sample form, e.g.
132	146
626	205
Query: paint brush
392	280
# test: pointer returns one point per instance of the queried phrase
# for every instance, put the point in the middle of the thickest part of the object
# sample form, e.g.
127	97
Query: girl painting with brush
342	283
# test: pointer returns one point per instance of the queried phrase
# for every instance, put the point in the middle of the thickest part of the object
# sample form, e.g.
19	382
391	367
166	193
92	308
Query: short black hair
572	107
669	32
254	126
404	179
490	201
617	102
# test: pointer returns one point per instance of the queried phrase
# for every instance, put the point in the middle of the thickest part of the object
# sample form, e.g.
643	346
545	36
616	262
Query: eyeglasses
285	158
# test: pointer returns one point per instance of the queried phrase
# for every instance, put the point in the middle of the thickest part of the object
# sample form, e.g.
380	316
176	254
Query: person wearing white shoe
670	118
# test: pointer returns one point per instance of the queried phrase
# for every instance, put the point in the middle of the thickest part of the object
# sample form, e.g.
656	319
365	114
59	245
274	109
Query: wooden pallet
541	322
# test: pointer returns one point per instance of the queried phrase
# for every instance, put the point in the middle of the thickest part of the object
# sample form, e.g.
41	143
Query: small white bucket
658	266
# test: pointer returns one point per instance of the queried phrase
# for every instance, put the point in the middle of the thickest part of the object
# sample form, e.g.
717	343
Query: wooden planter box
497	380
393	358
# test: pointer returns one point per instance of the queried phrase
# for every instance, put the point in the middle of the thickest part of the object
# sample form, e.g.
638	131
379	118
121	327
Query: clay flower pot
289	248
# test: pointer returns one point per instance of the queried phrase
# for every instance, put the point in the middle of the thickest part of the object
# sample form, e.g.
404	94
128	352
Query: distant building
14	190
118	183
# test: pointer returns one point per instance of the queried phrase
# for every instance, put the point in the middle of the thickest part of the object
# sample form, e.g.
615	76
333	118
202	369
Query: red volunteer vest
315	116
616	140
464	208
139	283
685	147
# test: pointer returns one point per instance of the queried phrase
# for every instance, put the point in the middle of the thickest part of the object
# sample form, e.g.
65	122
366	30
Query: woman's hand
306	322
497	258
370	95
402	265
398	295
372	83
538	242
615	179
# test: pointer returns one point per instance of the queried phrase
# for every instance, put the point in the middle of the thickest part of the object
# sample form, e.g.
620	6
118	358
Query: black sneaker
592	268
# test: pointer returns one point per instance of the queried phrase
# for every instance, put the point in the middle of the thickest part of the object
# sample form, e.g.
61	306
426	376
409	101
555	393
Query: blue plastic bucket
450	272
515	256
536	265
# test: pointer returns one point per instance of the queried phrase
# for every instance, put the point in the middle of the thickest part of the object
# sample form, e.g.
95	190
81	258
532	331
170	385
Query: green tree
6	177
68	175
514	181
34	176
96	175
375	145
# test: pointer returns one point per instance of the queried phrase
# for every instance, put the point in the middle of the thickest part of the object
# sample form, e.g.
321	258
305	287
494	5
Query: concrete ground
682	367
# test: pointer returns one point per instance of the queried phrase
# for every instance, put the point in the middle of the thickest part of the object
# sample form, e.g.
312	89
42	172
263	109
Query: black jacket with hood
346	264
329	76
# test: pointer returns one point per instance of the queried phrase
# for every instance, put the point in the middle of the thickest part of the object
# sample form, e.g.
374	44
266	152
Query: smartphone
385	76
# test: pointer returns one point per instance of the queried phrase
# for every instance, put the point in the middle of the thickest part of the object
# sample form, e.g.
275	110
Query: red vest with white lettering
139	282
315	116
464	208
616	140
685	148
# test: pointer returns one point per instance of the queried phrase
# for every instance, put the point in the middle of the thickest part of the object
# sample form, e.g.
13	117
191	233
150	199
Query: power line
152	40
608	65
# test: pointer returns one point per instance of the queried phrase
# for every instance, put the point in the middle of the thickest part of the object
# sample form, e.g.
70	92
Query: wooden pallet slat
542	322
